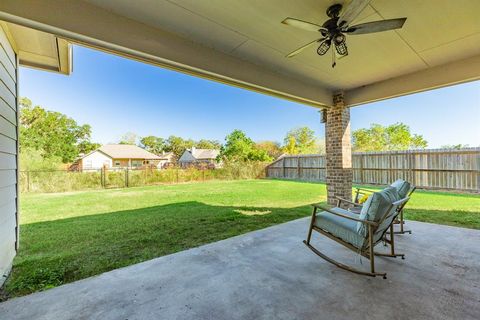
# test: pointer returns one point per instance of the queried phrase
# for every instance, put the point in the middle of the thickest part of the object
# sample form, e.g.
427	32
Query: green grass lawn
70	236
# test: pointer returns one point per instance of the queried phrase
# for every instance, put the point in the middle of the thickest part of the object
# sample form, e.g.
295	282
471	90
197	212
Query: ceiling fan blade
376	26
294	53
303	24
351	11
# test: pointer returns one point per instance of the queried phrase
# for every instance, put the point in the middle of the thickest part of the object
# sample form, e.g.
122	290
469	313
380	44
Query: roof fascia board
92	152
90	25
452	73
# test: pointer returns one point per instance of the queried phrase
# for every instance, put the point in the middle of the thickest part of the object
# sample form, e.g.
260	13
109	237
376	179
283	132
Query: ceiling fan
335	29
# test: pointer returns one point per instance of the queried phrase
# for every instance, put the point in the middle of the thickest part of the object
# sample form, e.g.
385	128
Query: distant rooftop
201	154
127	151
166	155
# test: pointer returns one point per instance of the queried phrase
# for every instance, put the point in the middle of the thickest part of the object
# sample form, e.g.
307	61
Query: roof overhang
244	45
39	50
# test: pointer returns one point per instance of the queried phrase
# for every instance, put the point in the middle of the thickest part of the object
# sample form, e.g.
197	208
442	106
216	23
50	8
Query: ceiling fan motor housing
332	24
334	10
338	26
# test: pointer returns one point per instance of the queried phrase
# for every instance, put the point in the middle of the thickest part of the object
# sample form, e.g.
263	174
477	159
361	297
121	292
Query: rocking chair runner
404	189
359	233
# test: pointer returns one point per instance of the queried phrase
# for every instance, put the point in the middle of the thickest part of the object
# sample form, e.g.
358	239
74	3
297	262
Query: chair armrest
347	201
362	190
343	215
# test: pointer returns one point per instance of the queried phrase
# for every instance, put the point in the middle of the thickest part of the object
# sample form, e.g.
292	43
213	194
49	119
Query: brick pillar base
339	151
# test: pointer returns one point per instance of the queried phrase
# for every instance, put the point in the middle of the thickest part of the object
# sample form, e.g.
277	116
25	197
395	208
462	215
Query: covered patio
249	45
270	274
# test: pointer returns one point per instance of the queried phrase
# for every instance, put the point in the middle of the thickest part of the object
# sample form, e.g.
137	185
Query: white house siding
162	163
8	156
96	160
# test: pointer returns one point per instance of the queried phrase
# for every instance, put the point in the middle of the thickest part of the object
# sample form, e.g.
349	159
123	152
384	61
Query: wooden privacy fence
446	169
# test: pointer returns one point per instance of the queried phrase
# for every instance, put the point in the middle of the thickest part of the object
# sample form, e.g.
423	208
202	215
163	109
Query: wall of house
120	163
8	156
96	160
163	163
186	157
133	163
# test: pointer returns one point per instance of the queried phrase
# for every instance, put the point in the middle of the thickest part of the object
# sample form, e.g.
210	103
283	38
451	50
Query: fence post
390	164
283	167
104	177
413	174
126	178
298	167
362	173
203	175
177	174
28	180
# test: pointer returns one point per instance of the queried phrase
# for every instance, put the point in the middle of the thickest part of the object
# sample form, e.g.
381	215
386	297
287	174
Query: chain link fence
65	181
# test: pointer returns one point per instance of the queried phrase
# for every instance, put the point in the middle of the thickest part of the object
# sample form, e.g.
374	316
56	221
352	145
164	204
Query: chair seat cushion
356	210
340	227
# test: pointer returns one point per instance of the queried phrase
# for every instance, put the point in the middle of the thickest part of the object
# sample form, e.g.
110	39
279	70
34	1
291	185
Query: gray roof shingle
201	154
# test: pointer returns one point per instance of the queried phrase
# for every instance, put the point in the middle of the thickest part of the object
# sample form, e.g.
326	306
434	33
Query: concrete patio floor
270	274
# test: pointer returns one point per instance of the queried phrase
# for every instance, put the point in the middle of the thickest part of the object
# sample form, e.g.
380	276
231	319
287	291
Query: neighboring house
199	157
119	156
166	159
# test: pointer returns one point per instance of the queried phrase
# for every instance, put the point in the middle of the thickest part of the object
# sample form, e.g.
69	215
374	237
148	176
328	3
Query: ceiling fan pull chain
334	63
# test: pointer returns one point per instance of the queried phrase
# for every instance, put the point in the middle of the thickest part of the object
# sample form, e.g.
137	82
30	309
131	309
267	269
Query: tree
393	137
178	145
32	159
455	146
85	147
272	148
129	138
208	144
301	141
155	145
51	133
239	147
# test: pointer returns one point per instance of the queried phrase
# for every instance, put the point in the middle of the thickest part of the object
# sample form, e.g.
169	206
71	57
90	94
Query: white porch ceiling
242	42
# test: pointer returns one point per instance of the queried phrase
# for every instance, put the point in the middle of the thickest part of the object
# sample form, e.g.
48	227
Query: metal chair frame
400	220
367	250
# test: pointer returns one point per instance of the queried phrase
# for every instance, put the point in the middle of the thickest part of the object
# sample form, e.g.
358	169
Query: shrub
62	180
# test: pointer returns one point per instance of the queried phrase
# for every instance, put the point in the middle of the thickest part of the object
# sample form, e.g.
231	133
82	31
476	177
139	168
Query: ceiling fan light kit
335	29
323	47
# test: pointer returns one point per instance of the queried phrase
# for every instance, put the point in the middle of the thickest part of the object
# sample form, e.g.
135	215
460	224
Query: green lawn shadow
61	251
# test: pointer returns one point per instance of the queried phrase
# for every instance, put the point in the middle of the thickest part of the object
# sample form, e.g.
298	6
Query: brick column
339	151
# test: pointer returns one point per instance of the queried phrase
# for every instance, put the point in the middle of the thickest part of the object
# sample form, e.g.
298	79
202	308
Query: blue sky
116	95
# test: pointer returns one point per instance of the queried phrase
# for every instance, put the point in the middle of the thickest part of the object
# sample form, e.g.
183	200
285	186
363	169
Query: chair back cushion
402	187
376	207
